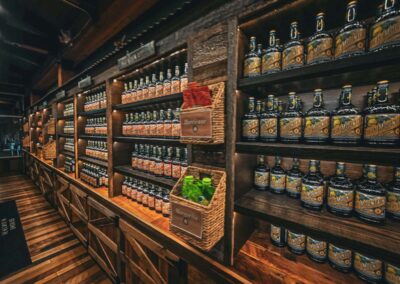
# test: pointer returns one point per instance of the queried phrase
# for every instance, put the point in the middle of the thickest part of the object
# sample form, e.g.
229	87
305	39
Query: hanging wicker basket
49	150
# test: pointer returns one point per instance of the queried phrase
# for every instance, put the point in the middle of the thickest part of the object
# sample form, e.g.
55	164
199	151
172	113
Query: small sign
196	124
44	104
137	55
60	95
187	219
85	82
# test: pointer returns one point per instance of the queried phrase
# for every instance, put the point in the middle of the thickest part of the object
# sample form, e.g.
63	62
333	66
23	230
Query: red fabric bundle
196	96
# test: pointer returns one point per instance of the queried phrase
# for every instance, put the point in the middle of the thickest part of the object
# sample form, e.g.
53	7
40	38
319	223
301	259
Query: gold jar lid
383	82
347	86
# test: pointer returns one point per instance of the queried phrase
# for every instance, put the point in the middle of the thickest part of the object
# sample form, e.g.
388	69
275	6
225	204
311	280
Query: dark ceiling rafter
25	46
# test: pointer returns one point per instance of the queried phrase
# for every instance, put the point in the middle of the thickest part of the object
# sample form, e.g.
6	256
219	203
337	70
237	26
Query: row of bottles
147	194
160	161
95	99
69	165
97	150
69	109
351	40
69	127
156	87
94	175
378	124
161	124
367	268
96	125
366	198
69	144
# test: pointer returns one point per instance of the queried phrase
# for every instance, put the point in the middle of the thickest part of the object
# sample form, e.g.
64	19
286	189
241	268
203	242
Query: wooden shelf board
96	137
93	161
381	241
66	135
134	139
127	170
67	153
382	156
140	104
101	111
65	117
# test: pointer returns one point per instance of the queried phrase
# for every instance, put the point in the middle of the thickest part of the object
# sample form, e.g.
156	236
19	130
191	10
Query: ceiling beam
11	94
26	46
18	57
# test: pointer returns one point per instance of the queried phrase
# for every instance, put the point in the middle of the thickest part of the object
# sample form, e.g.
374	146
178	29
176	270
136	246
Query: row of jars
95	99
69	165
367	268
366	198
94	175
162	124
69	109
147	194
96	125
154	88
69	127
97	150
378	124
351	40
69	144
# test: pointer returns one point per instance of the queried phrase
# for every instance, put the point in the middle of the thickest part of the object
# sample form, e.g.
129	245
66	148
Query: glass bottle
317	120
250	123
346	120
261	174
160	85
382	121
145	89
269	121
340	258
252	61
184	78
133	91
167	83
296	242
293	54
124	94
139	90
168	124
176	82
158	163
158	201
392	273
351	39
152	86
168	163
319	48
151	199
312	188
160	124
278	235
340	193
166	205
134	189
145	194
293	180
278	177
393	196
370	199
317	250
176	125
367	268
272	58
290	123
176	164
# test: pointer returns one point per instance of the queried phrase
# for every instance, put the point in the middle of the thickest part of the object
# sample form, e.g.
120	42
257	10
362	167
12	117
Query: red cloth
196	96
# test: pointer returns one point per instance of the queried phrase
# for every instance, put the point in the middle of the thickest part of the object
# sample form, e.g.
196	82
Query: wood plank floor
57	255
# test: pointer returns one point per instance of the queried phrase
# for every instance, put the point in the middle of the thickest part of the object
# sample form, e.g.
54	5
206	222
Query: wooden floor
57	255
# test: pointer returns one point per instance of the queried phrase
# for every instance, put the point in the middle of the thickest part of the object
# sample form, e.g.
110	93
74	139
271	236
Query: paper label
271	62
369	267
312	194
319	50
386	126
187	219
347	126
290	127
340	200
293	57
350	42
386	32
370	205
317	127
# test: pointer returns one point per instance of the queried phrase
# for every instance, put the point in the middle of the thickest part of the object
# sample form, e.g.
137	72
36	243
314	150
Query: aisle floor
57	255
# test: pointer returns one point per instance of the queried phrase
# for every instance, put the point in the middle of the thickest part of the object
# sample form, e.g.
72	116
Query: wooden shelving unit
132	139
127	170
92	137
96	112
93	161
141	104
68	153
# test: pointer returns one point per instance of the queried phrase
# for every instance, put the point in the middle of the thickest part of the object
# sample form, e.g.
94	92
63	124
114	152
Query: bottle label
319	50
134	193
393	203
293	184
176	171
175	86
159	90
339	256
290	127
250	128
168	129
153	129
271	62
124	190
316	127
370	205
166	89
150	201
167	169
296	241
392	274
276	233
158	168
145	199
184	83
160	129
139	196
382	126
293	57
158	204
252	66
269	127
176	130
346	126
278	182
340	200
369	267
385	33
165	208
261	179
350	42
316	248
152	92
312	194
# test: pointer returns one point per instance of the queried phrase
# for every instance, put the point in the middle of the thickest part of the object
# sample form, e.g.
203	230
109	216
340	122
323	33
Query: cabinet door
63	198
79	214
46	183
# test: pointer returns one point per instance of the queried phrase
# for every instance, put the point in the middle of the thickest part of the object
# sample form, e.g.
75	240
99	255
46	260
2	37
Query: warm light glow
115	81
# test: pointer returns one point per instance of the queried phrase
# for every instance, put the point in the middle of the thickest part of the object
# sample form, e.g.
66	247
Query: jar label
370	205
346	126
339	256
261	179
393	203
250	128
340	200
293	184
293	57
269	127
252	66
271	62
392	274
316	127
316	248
319	50
385	33
139	196
382	126
296	241
290	127
369	267
312	194
278	182
350	42
276	233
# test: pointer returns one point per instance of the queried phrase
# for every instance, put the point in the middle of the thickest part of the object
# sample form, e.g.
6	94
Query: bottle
351	39
393	196
261	174
278	236
312	188
290	122
166	205
340	258
158	163
168	124
176	164
293	54
145	194
134	188
158	201
296	242
317	250
272	57
346	120
385	33
184	78
160	124
176	125
317	120
392	273
252	61
168	163
250	123
167	83
382	121
151	199
278	177
152	86
293	180
145	89
139	90
160	85
370	199
133	91
319	48
367	268
269	121
340	193
123	95
176	82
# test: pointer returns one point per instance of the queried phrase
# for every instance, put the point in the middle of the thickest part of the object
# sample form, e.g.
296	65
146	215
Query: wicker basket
199	225
49	150
213	131
51	126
